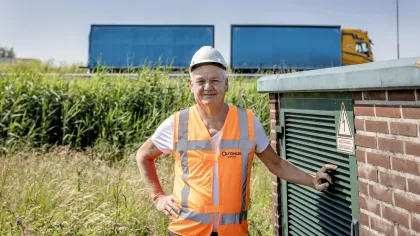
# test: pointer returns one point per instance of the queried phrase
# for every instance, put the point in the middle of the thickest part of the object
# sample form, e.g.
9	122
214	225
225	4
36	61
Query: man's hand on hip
168	205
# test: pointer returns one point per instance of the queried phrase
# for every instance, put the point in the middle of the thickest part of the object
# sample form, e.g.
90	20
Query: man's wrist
156	197
311	183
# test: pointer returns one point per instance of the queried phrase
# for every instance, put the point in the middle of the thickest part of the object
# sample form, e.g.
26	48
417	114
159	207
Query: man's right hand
145	157
168	205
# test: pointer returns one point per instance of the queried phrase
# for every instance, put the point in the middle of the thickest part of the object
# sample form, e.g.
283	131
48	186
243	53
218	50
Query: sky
59	30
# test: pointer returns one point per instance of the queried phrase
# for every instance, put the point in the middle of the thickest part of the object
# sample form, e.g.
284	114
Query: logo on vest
231	154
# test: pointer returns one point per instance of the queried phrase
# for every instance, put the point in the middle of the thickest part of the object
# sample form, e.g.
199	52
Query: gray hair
223	72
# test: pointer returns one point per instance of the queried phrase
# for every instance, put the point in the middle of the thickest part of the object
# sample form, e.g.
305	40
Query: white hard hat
207	55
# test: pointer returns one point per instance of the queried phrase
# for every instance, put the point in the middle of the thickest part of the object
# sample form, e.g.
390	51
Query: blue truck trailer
284	47
122	47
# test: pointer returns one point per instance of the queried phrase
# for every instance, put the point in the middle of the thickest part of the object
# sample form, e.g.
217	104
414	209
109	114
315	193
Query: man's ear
191	86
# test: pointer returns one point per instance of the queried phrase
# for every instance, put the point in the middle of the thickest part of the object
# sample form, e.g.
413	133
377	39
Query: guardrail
133	75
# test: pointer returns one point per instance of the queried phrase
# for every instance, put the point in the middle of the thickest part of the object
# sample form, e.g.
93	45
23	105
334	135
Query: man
213	145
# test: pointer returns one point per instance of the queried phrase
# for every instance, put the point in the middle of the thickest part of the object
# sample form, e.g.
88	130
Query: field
67	146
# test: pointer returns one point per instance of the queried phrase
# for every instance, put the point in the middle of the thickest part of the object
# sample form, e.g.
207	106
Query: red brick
274	219
364	219
412	148
273	136
357	96
415	223
382	226
392	145
370	205
377	126
364	110
391	180
413	185
274	188
274	115
365	141
405	129
395	216
363	188
365	232
410	203
272	96
402	231
411	112
274	178
275	198
380	193
276	222
401	95
273	124
360	156
367	172
407	166
277	229
377	159
374	95
359	124
275	209
274	106
388	111
275	146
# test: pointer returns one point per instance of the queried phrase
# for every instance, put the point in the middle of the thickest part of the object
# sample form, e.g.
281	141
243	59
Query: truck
126	47
296	47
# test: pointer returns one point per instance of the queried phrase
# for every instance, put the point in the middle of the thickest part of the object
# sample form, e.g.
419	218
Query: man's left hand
322	179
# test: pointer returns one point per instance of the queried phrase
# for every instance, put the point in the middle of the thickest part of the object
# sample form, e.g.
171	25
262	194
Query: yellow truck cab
356	47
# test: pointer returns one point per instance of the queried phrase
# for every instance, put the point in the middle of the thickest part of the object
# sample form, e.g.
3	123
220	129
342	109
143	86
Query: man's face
208	85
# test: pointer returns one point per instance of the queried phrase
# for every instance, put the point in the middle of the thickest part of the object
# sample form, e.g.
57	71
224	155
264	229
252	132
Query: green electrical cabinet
316	127
310	137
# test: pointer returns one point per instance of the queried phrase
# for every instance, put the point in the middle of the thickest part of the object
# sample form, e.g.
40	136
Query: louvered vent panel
310	143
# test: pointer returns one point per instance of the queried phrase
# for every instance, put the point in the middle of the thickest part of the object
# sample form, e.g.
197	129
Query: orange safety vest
194	160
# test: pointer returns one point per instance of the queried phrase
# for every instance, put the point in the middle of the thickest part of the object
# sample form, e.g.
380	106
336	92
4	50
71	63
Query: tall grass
115	113
64	192
67	152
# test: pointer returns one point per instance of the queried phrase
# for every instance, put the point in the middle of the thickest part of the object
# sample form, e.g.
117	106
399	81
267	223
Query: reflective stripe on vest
202	218
183	136
193	145
183	145
228	219
205	218
244	137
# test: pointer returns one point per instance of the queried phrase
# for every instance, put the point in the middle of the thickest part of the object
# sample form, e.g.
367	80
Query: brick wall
388	158
387	142
276	193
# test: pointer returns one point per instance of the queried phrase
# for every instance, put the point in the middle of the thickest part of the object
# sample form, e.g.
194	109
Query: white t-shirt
163	140
164	135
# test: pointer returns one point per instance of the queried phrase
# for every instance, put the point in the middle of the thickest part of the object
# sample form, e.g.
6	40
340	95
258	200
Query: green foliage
109	112
64	192
7	52
90	184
